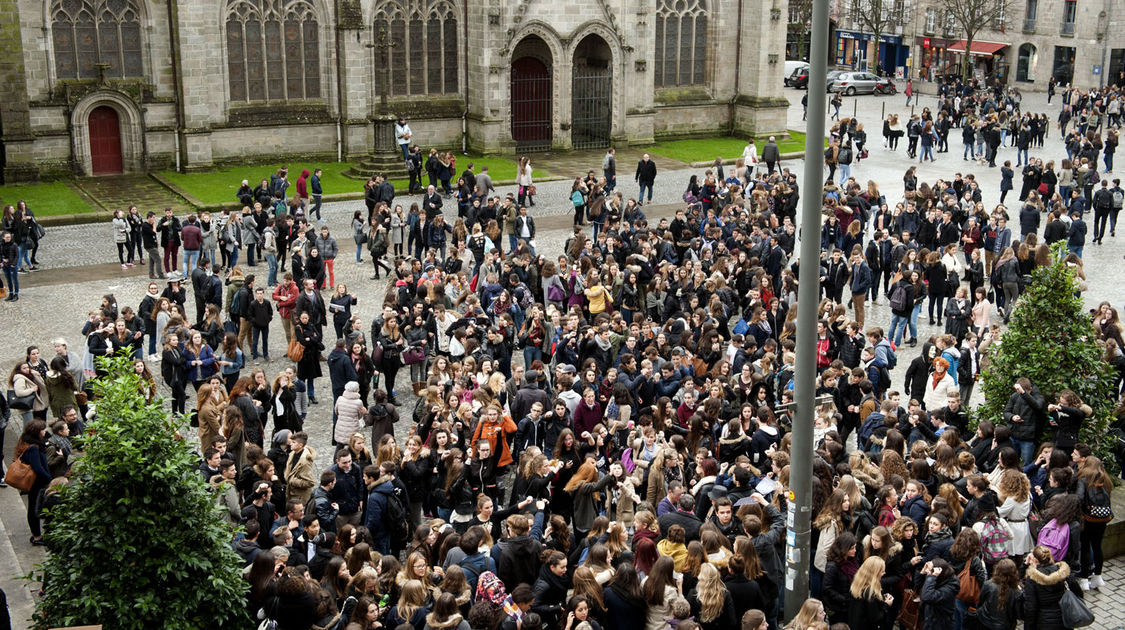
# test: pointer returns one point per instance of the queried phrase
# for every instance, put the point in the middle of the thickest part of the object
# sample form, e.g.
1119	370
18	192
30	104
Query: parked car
832	75
801	82
798	69
851	83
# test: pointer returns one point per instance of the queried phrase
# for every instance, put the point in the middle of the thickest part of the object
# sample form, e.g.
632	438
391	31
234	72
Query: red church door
105	141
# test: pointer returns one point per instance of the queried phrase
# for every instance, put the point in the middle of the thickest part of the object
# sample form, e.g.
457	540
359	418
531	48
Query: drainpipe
737	68
465	87
177	77
339	92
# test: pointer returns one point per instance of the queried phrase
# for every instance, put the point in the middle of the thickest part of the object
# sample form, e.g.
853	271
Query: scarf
602	343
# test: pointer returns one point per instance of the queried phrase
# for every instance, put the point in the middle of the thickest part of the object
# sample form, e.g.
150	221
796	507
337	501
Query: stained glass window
681	42
273	50
86	33
417	40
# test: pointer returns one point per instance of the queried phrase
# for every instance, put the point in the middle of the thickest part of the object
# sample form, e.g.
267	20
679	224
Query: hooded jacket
377	498
349	416
1043	589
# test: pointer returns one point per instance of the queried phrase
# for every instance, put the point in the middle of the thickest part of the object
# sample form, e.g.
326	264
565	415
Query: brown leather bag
20	476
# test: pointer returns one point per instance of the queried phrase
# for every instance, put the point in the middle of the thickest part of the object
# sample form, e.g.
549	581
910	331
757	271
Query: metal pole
799	518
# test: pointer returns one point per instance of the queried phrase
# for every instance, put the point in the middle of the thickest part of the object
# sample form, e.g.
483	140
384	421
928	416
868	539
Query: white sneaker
1097	582
1084	583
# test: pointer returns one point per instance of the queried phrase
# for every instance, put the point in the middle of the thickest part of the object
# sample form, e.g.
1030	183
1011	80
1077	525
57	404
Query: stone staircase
121	191
392	164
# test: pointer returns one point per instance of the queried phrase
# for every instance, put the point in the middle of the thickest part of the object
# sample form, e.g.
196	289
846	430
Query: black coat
866	613
622	611
1043	589
938	597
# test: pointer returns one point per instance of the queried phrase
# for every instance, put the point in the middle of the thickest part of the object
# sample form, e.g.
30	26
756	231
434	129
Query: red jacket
286	297
303	185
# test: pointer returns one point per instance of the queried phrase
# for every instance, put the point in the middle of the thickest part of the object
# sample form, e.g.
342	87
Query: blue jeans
210	255
960	608
1003	136
513	242
358	252
845	173
151	344
316	207
264	334
310	389
233	257
23	255
927	151
271	261
531	353
191	259
251	249
968	152
1021	156
644	186
1108	159
405	151
1077	251
898	326
914	321
1026	449
1064	192
11	274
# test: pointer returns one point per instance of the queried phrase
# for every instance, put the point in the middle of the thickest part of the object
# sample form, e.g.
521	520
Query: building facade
109	86
1076	41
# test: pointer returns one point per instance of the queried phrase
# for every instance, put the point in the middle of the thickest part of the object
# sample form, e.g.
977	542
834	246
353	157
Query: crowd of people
630	469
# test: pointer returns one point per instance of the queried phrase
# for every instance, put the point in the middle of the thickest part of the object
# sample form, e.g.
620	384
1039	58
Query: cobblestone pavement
47	312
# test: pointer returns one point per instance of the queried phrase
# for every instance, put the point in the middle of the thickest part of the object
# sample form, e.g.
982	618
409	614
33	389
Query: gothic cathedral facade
109	86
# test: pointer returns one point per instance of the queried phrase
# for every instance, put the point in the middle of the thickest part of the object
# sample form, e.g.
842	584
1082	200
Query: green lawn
706	149
47	199
220	185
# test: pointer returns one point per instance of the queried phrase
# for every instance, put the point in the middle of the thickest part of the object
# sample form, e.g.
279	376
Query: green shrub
1051	341
138	541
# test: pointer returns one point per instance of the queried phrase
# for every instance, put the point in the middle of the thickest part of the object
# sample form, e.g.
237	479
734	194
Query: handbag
23	403
1075	612
689	198
39	231
555	294
970	587
414	354
1043	188
20	476
377	353
296	350
910	616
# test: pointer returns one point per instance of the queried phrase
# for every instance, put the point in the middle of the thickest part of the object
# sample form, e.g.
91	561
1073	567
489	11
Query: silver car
851	83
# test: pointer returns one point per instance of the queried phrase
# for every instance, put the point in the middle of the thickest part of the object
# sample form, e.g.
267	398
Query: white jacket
349	416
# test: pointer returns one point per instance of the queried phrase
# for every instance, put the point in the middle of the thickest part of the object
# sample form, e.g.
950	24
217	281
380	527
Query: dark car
801	81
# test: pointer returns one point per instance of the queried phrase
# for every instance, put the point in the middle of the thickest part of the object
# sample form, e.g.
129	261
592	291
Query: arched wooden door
531	104
105	141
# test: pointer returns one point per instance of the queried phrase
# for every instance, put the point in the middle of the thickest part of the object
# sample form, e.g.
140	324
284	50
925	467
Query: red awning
981	49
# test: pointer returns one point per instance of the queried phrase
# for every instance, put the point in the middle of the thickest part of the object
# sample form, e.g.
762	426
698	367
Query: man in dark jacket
645	177
1076	237
347	492
1103	204
771	155
1029	221
517	556
341	370
1026	412
260	314
684	516
431	203
169	229
380	488
200	286
528	394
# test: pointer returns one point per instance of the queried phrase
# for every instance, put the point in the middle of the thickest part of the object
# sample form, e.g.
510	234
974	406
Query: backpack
844	156
236	303
396	519
1056	537
892	356
868	429
1096	506
740	327
898	299
995	541
1118	197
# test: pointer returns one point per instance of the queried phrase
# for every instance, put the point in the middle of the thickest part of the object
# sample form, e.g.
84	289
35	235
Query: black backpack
899	298
396	519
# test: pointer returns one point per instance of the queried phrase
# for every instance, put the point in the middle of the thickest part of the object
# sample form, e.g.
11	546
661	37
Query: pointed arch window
273	50
417	41
681	42
86	33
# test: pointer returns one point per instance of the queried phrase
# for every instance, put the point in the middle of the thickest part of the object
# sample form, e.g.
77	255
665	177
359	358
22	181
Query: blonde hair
711	592
866	584
412	599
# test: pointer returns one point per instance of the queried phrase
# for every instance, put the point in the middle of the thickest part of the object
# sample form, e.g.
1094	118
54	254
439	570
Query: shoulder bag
20	476
296	350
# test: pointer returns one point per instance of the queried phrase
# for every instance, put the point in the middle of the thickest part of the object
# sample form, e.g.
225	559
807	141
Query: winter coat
299	475
938	597
1043	589
349	416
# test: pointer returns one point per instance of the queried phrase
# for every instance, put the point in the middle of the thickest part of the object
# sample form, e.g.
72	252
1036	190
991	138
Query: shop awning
980	49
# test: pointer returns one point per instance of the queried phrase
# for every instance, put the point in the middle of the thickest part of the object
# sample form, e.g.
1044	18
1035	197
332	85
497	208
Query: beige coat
300	475
24	386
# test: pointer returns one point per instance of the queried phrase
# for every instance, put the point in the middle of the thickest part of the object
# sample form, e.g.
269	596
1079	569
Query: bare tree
878	17
800	21
974	16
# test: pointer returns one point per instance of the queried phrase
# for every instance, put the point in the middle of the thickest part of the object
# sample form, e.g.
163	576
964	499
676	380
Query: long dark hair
627	581
59	365
660	577
32	432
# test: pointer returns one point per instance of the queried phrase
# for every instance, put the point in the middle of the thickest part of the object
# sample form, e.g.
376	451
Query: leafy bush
137	541
1051	341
